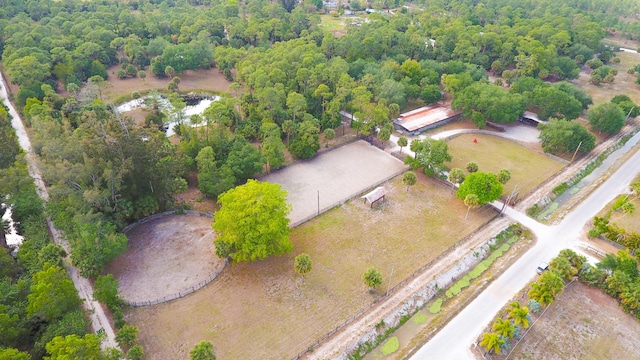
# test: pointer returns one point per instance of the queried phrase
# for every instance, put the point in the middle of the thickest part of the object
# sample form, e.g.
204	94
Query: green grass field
492	153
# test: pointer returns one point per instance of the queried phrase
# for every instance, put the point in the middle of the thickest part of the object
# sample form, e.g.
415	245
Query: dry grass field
623	84
265	310
583	323
528	168
207	80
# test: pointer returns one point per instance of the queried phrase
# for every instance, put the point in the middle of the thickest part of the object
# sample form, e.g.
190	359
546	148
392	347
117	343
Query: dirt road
99	320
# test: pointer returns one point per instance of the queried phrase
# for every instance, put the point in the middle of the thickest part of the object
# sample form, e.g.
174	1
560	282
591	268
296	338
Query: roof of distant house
425	116
531	115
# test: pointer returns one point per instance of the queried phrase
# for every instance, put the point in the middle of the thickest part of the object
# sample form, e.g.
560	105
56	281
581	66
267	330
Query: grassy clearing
266	304
210	80
331	24
629	222
528	168
582	323
623	84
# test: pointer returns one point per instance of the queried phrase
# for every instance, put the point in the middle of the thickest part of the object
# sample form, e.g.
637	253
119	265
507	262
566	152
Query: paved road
99	319
455	339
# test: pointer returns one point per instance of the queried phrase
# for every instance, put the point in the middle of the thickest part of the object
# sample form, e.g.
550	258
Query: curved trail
99	320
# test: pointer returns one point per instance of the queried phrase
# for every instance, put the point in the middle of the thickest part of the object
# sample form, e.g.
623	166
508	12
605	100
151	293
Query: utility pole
390	277
629	113
318	202
575	152
513	192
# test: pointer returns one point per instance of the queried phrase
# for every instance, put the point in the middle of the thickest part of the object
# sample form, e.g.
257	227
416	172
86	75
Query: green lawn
528	168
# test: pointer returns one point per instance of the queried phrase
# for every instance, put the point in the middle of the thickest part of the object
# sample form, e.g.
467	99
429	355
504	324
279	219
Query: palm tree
563	266
471	200
504	176
456	176
575	259
302	264
402	142
372	278
552	280
504	328
409	178
491	342
519	314
541	294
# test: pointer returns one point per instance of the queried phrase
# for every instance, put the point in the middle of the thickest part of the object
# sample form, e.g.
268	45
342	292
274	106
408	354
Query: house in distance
416	121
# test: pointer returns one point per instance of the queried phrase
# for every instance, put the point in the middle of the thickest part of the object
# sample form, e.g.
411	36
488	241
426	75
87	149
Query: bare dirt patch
166	256
582	323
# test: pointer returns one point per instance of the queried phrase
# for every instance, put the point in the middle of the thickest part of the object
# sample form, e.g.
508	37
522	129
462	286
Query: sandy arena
166	256
334	177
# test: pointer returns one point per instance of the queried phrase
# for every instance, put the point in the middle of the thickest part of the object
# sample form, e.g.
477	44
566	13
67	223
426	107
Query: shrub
392	345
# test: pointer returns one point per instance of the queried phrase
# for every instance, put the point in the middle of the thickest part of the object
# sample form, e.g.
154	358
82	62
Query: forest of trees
291	79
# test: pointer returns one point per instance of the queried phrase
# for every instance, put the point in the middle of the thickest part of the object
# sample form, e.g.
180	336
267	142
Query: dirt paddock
166	256
334	176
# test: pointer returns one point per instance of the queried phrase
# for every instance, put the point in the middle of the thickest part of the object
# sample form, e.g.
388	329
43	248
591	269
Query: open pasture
265	310
528	167
211	80
622	84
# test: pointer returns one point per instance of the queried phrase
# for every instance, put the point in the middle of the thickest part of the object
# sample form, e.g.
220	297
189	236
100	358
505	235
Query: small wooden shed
375	195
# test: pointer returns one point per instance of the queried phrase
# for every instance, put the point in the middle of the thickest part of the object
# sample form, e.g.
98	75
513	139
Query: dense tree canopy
74	347
607	117
252	222
52	294
547	100
491	102
561	136
430	156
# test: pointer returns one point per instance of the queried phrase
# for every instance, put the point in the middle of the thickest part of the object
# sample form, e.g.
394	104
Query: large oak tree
252	222
562	136
484	185
607	117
